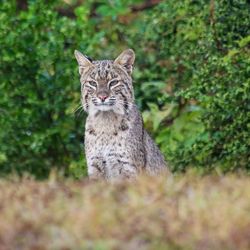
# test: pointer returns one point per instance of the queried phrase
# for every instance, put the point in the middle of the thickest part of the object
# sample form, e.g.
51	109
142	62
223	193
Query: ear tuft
126	59
83	62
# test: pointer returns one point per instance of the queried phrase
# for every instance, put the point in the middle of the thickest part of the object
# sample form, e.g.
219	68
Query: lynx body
116	143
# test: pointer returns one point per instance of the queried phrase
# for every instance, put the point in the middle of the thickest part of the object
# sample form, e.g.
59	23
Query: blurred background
191	79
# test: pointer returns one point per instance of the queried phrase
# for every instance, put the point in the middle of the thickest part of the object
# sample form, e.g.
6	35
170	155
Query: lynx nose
102	97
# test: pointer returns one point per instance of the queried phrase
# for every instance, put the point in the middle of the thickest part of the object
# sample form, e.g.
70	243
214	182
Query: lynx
116	144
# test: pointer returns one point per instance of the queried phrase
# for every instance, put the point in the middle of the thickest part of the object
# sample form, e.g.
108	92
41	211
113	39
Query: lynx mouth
107	103
104	107
104	104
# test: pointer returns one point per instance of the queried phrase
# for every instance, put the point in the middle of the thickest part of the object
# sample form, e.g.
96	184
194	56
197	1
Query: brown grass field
183	212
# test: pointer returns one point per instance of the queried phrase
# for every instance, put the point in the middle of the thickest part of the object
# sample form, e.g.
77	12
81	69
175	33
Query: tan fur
116	143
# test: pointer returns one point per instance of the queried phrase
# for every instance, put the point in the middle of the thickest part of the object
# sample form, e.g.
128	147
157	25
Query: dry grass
185	212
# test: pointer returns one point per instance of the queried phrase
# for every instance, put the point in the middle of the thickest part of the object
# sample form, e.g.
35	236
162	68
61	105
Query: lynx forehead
116	144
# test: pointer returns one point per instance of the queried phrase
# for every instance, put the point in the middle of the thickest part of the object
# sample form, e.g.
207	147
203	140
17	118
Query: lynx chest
105	134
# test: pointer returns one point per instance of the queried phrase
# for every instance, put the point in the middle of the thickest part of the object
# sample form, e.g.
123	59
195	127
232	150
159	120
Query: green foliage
191	80
40	90
200	49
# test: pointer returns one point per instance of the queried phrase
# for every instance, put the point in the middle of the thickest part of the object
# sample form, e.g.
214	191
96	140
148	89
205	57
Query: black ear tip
79	54
89	58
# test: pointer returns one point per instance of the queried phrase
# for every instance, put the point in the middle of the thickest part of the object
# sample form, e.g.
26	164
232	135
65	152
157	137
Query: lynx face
106	85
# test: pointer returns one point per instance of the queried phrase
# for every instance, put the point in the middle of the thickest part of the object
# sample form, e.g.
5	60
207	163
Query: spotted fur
116	144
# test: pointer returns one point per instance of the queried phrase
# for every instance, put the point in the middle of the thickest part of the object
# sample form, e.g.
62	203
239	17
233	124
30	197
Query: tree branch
147	5
69	12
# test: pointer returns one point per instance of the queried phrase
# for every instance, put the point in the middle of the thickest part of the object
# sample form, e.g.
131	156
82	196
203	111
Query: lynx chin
116	144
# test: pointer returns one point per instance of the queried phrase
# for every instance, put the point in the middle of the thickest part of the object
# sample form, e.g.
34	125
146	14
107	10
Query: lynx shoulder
116	143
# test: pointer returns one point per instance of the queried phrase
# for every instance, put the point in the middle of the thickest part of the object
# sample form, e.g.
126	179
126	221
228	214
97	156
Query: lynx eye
92	83
113	83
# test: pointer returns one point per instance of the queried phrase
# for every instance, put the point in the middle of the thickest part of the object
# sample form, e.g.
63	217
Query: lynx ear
83	62
126	59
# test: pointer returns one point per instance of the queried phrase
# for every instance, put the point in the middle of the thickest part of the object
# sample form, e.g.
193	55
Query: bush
200	50
40	84
40	90
191	80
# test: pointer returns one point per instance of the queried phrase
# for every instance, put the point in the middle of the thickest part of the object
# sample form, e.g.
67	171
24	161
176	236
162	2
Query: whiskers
118	106
79	109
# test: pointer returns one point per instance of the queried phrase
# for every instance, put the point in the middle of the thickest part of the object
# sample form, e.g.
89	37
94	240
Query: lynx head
106	85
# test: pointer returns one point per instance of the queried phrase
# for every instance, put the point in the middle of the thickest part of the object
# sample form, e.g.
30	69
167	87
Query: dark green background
191	79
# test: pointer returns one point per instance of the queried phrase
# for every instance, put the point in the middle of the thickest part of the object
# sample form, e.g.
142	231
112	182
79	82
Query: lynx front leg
96	169
122	170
